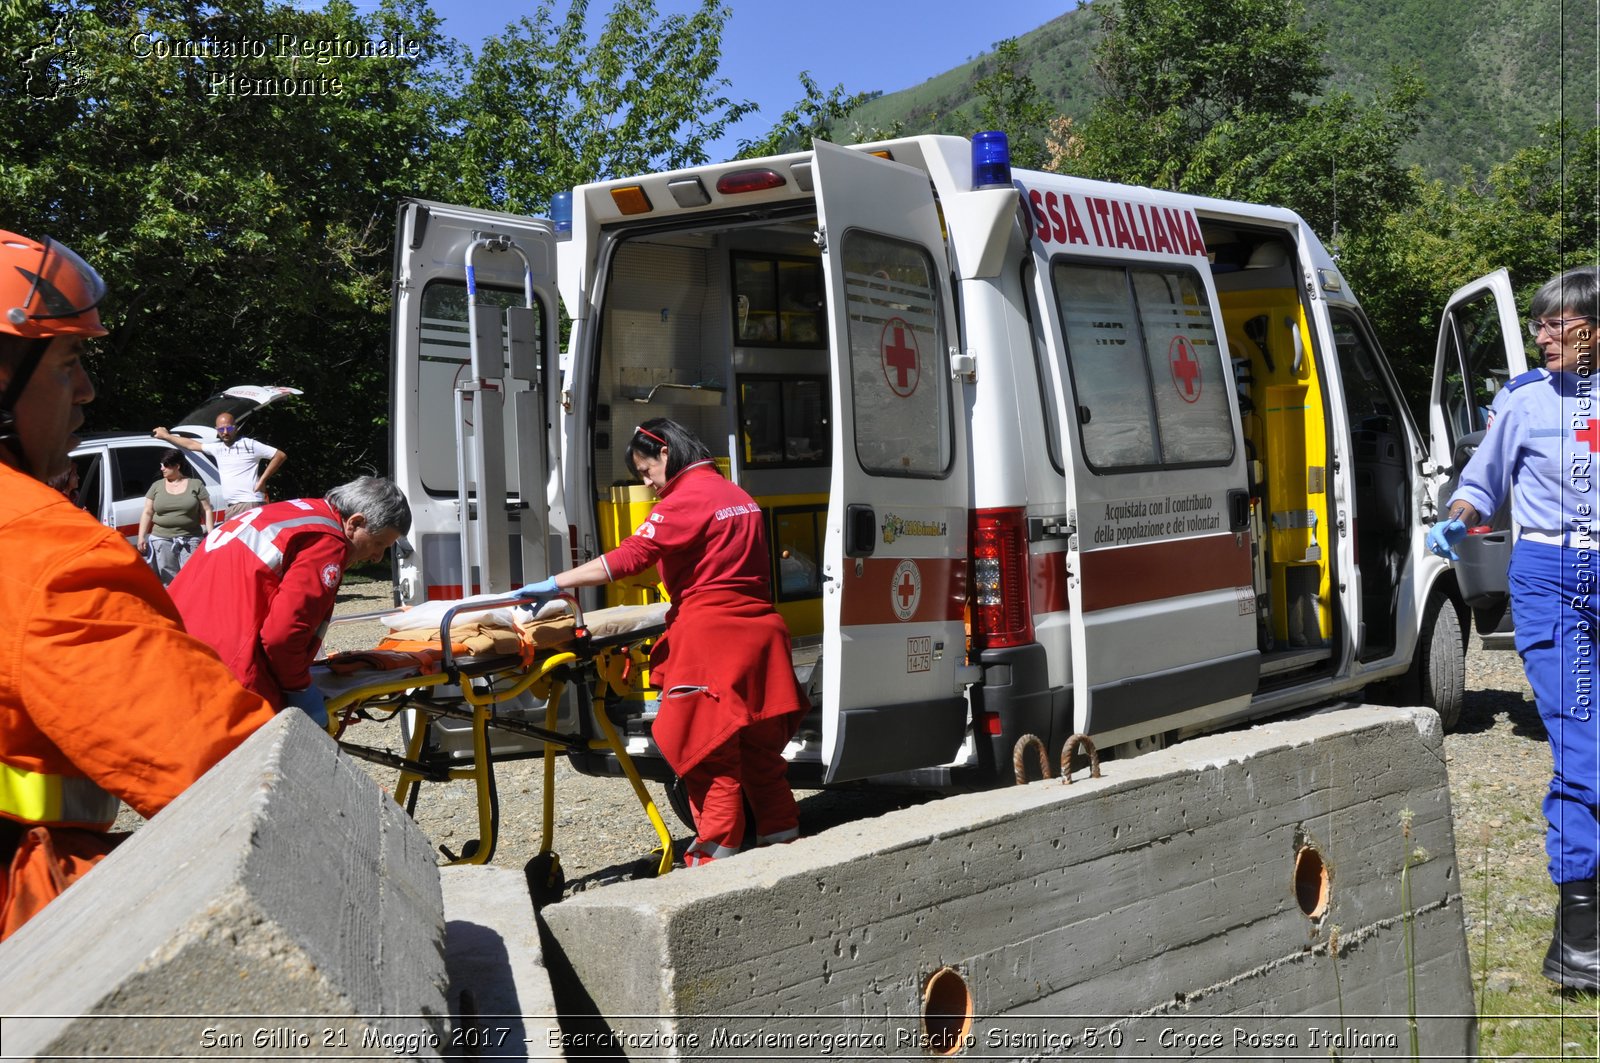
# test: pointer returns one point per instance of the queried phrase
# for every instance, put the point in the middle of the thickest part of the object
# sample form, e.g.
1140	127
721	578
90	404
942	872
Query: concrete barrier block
283	904
1184	904
500	992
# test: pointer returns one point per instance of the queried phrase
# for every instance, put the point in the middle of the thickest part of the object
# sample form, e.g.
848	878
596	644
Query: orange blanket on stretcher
419	648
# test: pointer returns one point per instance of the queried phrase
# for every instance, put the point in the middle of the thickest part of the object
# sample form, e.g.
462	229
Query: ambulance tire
1438	674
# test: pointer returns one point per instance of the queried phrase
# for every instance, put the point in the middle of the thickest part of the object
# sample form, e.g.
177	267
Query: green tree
1009	101
545	110
1534	214
1219	97
233	173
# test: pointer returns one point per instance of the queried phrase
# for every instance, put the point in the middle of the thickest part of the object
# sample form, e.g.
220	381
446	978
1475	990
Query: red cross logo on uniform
1185	368
902	367
1589	433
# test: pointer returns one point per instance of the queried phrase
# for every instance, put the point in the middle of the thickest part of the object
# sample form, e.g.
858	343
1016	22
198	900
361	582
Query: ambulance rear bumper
1016	691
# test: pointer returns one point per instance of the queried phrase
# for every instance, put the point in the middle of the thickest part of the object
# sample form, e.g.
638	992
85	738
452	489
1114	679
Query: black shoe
1574	956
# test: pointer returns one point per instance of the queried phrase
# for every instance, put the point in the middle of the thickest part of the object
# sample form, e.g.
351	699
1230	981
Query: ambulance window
777	301
783	421
1146	368
443	358
898	368
1475	364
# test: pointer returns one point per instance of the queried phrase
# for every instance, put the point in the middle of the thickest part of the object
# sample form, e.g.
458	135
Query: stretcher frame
604	664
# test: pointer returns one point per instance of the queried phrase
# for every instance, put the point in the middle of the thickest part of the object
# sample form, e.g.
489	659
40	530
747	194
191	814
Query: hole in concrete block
1310	882
946	1012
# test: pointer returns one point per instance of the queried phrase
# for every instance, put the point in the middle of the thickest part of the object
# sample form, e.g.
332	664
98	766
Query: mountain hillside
1494	69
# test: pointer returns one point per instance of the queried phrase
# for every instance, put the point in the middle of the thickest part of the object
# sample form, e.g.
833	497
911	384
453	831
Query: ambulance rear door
895	574
1159	573
475	386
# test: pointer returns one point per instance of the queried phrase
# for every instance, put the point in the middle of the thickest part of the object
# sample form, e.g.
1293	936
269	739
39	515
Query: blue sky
865	44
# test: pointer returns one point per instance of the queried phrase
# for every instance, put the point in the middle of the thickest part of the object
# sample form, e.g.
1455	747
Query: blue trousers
1553	600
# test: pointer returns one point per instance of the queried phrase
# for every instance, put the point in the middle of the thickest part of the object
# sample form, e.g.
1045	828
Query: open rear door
1480	350
1159	573
895	577
475	382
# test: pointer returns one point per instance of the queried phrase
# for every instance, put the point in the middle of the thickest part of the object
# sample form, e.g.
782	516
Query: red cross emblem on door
1589	433
906	590
1185	368
901	365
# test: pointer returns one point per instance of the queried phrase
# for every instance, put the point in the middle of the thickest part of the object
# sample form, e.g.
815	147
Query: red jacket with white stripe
724	662
261	590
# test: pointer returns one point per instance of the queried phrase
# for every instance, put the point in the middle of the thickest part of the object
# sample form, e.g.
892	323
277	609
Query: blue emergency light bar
991	160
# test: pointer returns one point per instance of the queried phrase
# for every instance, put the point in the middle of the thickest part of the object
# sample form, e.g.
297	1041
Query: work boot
1574	956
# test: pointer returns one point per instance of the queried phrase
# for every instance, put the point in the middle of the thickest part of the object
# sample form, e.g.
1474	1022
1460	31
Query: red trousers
748	766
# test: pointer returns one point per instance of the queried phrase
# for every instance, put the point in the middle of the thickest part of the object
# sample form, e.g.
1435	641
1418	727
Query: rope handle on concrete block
1017	757
1066	758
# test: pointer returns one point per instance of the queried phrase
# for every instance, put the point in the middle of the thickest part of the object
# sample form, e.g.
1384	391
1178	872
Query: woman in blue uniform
1542	449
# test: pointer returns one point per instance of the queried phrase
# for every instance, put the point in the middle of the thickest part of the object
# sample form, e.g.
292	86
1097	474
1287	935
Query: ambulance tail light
1002	616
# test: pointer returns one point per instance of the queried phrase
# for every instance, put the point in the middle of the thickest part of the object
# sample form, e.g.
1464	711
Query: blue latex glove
540	592
309	701
1443	537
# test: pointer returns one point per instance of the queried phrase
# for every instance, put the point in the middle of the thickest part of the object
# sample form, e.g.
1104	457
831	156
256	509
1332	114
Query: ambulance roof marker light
991	160
740	181
561	214
631	199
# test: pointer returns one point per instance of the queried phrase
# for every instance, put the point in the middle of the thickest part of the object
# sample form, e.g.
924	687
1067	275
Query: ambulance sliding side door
1159	573
475	382
894	562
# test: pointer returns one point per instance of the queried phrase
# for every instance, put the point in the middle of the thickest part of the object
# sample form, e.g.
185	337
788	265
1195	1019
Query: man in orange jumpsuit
103	696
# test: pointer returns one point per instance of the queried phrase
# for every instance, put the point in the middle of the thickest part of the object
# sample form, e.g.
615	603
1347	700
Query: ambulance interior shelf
485	686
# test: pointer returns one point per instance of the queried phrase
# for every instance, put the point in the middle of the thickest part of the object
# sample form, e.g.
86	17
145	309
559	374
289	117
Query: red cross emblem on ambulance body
1589	433
902	367
1185	368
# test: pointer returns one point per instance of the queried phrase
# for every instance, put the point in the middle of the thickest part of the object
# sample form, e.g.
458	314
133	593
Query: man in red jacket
262	587
103	696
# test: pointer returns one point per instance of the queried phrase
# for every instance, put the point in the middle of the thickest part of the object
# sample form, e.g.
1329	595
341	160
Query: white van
1039	455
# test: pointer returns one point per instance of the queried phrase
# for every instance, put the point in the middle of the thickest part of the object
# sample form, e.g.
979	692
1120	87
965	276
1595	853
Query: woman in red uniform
729	700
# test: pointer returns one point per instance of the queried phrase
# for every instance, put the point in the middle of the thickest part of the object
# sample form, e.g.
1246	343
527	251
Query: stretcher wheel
678	798
546	880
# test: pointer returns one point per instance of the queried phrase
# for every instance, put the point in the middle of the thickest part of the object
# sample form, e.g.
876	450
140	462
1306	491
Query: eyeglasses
1555	325
224	429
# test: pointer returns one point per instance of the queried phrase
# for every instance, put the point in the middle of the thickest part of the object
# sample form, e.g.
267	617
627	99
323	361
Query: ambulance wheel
1438	674
546	880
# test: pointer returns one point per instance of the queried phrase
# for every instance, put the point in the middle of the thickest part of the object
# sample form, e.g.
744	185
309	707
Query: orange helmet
46	290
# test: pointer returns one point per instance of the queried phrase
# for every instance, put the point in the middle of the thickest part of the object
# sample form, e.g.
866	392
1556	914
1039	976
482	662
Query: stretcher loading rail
470	688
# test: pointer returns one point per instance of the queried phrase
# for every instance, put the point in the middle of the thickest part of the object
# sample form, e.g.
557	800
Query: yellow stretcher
603	651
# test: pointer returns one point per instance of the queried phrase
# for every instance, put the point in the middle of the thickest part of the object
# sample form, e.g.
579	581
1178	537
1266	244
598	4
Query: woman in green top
177	511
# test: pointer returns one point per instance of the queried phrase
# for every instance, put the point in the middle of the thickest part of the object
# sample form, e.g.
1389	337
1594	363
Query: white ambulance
1038	455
